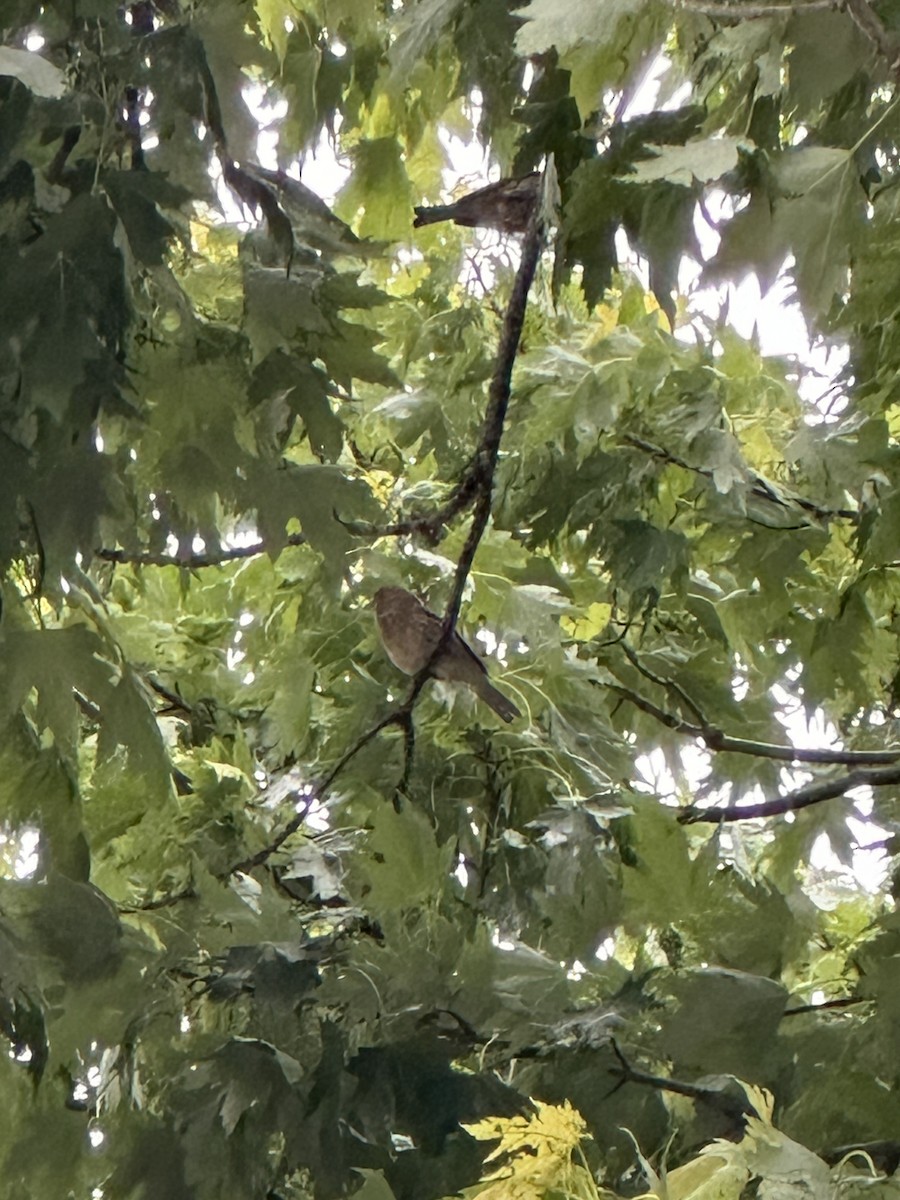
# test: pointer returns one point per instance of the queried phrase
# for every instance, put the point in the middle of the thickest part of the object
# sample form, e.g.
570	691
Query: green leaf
377	199
705	161
549	24
726	1020
72	923
417	30
406	866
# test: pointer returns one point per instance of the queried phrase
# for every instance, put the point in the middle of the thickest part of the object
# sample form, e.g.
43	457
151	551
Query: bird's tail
501	704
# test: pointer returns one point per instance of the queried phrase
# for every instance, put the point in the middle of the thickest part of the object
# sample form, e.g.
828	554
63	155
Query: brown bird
505	205
410	633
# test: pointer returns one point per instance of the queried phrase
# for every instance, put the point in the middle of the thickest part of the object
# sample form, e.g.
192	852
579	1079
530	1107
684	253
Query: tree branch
733	1108
759	488
670	685
476	483
176	702
840	1002
481	480
485	462
409	750
430	526
715	739
192	562
873	28
747	12
492	817
308	799
188	893
813	793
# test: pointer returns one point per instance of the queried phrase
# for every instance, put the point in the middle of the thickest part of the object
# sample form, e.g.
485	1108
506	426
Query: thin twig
840	1002
175	702
669	684
729	1105
430	526
747	12
491	822
308	799
192	562
759	488
409	751
188	893
402	716
472	260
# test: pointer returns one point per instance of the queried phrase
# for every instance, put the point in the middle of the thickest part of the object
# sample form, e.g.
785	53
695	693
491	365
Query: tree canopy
276	921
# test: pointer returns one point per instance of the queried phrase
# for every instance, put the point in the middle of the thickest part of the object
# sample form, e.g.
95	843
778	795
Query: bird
410	632
505	205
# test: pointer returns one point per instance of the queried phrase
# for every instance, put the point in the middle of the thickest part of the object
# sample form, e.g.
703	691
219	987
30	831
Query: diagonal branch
715	739
479	486
430	525
485	462
826	1005
476	483
759	486
728	1104
873	28
306	799
670	685
813	793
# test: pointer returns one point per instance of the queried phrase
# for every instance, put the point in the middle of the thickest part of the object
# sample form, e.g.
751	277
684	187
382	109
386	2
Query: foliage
535	1156
264	933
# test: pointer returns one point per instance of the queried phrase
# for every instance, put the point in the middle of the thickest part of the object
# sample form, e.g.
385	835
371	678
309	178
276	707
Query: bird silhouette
410	633
506	205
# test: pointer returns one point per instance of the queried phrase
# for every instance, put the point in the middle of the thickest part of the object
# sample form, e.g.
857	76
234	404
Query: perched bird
505	205
410	633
